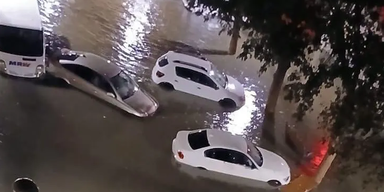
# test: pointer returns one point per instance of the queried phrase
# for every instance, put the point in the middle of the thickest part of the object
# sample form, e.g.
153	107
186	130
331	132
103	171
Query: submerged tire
274	183
227	103
167	86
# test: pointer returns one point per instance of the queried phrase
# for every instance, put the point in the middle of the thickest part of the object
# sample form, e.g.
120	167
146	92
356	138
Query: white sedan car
197	76
220	151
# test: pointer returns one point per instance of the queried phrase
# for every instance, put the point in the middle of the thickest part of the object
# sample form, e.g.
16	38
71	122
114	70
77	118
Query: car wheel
167	86
227	103
274	183
202	168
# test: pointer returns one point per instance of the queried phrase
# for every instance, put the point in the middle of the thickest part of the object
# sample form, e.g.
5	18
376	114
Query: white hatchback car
220	151
197	76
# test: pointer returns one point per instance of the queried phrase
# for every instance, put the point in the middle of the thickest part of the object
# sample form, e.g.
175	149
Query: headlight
2	65
39	70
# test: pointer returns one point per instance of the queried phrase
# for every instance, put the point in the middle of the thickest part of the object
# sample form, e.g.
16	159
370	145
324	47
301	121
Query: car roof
219	138
21	14
94	62
201	63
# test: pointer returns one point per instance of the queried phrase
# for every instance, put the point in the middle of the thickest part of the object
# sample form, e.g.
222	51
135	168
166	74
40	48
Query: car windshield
218	76
255	154
124	85
24	42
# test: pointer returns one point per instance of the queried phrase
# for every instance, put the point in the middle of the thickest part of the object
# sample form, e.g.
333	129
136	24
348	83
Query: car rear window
198	140
163	62
24	42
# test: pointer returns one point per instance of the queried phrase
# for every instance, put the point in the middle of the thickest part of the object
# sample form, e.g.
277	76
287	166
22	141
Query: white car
220	151
197	76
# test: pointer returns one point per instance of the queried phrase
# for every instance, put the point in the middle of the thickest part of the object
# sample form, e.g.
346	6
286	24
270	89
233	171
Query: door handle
176	81
198	88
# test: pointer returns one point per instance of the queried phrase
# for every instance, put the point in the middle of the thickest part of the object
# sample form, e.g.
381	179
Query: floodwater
68	141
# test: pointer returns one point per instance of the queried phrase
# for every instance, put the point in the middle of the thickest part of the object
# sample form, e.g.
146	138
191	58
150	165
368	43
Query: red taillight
180	154
159	74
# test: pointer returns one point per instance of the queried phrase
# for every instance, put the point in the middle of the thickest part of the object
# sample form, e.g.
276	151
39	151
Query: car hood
274	163
235	87
142	102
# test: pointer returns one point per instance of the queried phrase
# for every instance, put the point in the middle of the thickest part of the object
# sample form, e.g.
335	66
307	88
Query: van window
19	41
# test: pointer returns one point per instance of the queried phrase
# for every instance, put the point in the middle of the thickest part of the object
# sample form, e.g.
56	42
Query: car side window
90	76
196	77
207	81
230	156
241	159
218	154
100	82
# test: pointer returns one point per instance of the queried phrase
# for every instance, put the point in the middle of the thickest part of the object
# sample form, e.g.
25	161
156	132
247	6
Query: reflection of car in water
103	79
22	47
218	178
220	151
197	76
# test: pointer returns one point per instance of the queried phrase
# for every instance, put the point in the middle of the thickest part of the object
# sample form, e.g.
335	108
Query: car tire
202	168
227	103
167	86
274	183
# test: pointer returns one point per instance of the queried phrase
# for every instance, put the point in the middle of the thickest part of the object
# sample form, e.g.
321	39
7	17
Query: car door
243	166
196	83
89	81
218	160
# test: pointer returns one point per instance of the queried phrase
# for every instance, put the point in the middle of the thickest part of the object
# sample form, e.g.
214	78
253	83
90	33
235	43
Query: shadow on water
25	126
221	179
48	81
51	81
165	44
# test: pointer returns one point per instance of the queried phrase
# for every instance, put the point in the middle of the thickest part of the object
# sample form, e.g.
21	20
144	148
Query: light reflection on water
133	48
51	12
133	27
246	120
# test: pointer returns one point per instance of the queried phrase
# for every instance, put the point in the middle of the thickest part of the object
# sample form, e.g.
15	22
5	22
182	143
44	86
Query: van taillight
180	154
159	74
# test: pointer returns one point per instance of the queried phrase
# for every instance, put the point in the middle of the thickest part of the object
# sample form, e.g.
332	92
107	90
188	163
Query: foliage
281	38
282	32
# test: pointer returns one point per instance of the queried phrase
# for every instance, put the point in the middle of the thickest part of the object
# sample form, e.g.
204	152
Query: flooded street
68	141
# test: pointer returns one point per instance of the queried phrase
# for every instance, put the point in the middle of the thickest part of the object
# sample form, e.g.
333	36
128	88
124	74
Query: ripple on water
134	25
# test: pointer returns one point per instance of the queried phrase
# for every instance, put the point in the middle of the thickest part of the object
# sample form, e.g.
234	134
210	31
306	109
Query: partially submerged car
196	75
103	79
220	151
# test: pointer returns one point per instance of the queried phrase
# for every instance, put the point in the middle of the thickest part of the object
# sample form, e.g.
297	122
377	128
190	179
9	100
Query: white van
22	43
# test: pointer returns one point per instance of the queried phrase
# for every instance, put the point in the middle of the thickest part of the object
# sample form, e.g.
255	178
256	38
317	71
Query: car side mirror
111	95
